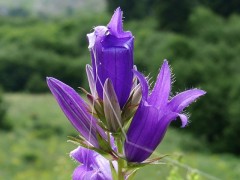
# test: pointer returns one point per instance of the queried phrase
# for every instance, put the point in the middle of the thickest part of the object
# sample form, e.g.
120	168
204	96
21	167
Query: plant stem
120	161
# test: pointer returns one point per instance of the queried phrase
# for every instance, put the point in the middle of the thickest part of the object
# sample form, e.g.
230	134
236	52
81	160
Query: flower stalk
120	160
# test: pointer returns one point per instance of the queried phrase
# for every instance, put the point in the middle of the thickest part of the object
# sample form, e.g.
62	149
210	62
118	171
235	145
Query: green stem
120	161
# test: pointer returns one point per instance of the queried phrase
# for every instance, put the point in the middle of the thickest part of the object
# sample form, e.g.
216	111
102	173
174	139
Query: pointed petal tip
88	66
199	91
184	120
143	83
50	80
165	61
76	154
116	19
203	92
160	93
107	82
165	65
118	10
115	25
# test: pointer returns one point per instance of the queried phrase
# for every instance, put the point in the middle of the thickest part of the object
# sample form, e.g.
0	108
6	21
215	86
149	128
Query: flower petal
91	39
161	90
116	63
80	173
143	83
93	164
83	156
74	108
142	128
111	106
116	26
96	36
184	99
146	131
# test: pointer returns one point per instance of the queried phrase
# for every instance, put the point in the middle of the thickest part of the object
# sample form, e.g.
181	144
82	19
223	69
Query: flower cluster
123	121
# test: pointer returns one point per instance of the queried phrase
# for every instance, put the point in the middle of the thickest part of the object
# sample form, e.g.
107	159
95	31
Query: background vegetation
37	149
200	39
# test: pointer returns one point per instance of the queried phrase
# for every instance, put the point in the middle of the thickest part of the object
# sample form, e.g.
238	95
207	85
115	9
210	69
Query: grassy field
36	147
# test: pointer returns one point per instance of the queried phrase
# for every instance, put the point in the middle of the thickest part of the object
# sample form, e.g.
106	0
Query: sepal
111	107
153	161
131	174
132	104
96	108
107	152
113	171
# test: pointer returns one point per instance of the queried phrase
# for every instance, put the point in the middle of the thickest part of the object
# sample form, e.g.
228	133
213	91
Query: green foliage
174	174
3	109
173	15
37	146
38	49
223	7
132	9
36	84
207	57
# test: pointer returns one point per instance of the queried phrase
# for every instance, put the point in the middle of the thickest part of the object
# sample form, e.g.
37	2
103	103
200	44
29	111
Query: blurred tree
132	9
36	84
223	7
173	15
18	11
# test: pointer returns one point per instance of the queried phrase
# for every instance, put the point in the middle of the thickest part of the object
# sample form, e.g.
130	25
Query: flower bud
112	57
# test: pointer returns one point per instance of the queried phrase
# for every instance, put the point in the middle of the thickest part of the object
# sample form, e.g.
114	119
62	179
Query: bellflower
93	165
75	110
111	51
154	114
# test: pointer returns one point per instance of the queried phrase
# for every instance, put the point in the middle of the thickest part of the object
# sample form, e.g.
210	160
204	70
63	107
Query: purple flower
154	115
75	110
112	57
94	166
